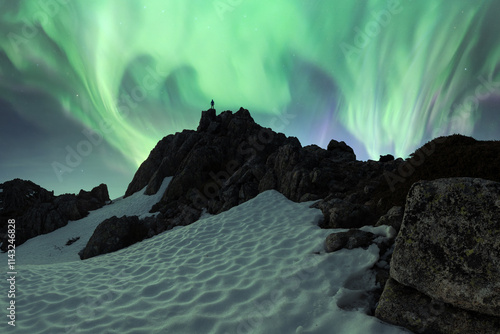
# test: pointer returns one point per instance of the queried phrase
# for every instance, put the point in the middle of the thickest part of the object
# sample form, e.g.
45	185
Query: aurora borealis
384	76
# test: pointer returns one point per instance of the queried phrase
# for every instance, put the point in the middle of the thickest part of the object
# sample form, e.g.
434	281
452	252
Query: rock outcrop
409	308
345	214
393	217
348	240
229	159
37	211
114	234
448	252
442	157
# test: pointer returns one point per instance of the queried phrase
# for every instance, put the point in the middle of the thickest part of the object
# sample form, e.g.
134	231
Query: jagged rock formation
448	253
229	159
37	211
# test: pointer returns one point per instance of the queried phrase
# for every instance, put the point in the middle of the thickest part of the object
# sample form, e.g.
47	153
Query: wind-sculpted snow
258	268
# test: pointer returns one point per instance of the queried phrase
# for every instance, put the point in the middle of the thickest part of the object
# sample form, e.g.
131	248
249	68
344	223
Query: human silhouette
212	104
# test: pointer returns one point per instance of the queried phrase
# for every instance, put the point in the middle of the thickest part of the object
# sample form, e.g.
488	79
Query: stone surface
443	157
449	244
342	152
351	239
404	306
344	214
114	234
393	217
386	158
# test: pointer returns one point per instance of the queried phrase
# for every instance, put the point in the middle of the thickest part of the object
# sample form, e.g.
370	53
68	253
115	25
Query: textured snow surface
252	269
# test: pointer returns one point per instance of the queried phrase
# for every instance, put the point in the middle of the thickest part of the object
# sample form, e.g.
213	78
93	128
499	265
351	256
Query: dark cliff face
37	211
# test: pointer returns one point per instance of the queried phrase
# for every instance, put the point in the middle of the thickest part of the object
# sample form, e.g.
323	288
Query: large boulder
445	267
393	217
351	239
340	213
114	234
409	308
341	151
449	243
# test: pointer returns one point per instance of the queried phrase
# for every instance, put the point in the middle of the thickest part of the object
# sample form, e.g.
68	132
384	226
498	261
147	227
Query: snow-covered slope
51	248
252	269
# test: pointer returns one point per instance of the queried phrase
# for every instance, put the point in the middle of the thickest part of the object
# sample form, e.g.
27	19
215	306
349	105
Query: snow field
252	269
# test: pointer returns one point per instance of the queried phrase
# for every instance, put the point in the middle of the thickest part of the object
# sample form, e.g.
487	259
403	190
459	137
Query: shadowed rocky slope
37	211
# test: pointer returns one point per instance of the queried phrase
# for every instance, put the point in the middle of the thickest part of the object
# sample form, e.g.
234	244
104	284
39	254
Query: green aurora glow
401	70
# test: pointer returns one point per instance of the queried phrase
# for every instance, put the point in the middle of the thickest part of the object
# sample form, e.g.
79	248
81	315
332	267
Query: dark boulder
393	217
404	306
114	234
340	213
449	243
351	239
447	254
341	151
386	158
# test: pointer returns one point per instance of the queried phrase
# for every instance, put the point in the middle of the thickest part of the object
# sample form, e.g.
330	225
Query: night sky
88	87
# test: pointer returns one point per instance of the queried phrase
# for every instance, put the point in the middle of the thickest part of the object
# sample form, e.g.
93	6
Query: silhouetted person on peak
212	104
